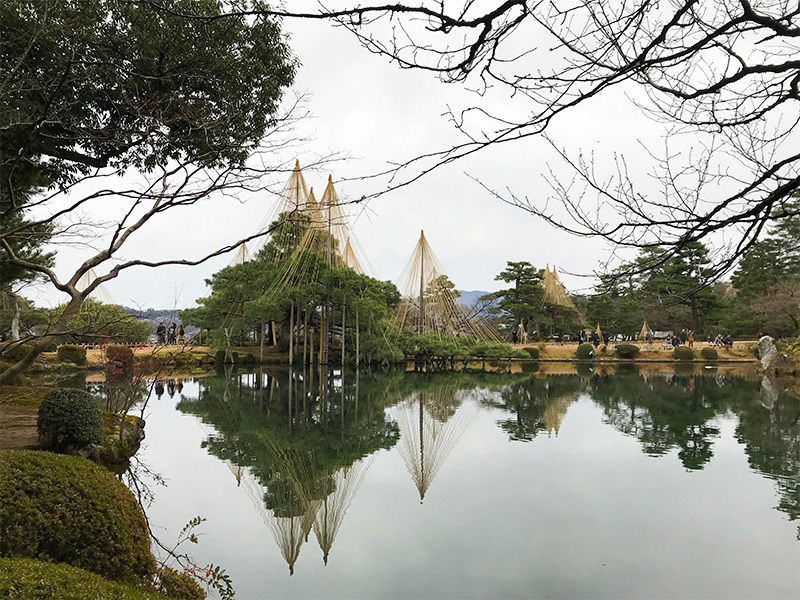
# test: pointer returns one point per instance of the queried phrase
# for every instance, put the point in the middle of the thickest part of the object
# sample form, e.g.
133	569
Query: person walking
690	338
161	332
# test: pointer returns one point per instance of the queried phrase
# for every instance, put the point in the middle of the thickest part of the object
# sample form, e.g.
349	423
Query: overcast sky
378	114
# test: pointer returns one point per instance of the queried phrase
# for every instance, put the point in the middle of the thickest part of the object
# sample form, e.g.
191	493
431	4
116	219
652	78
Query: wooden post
263	325
344	307
291	334
305	339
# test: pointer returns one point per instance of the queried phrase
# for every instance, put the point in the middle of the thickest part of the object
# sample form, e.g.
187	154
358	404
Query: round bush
219	357
34	579
533	352
67	509
709	354
69	416
178	586
71	353
584	351
119	363
683	353
626	350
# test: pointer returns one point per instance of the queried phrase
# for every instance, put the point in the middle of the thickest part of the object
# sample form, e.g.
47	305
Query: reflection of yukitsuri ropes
341	488
429	300
555	411
291	530
430	426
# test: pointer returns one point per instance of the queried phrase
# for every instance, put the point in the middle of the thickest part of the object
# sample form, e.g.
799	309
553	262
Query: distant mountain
469	297
154	316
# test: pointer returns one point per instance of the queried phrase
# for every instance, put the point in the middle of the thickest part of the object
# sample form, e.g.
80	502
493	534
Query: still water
620	485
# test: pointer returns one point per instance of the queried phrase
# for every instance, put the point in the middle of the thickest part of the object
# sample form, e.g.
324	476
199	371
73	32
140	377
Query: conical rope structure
430	426
555	292
99	293
429	304
242	255
643	332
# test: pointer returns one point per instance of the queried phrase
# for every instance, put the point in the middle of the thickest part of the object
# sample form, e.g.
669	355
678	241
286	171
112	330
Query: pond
591	485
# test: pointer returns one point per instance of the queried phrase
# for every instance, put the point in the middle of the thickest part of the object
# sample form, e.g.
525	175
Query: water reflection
431	421
300	443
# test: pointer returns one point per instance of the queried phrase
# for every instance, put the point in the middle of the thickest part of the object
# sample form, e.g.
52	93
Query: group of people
174	334
722	340
684	338
594	338
173	385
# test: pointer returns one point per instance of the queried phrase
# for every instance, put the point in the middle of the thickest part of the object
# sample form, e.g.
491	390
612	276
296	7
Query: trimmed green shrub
29	579
235	357
219	357
626	350
68	509
14	351
119	363
249	359
532	352
69	416
683	353
72	354
709	353
178	586
584	351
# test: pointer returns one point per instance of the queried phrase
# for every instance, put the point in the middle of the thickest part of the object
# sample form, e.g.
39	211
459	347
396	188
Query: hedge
709	353
532	352
683	353
70	353
29	579
69	416
584	351
626	350
68	509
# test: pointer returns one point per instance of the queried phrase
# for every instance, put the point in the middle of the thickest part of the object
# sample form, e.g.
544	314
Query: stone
768	352
770	390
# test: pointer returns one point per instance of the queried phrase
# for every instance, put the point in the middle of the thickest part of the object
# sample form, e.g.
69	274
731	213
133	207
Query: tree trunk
60	326
14	302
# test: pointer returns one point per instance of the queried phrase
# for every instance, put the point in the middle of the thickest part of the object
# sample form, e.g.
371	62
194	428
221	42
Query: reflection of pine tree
291	450
662	412
772	442
538	404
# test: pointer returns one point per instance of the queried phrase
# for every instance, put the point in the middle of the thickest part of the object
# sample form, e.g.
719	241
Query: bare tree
722	76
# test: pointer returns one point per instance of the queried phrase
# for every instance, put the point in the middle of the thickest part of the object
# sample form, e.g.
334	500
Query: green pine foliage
69	417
